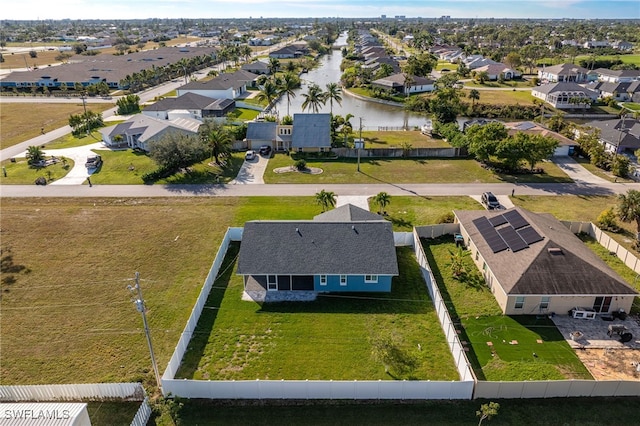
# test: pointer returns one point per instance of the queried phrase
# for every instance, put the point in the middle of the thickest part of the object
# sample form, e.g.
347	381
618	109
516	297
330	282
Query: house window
343	280
477	255
519	302
370	278
544	302
321	149
299	149
323	280
272	282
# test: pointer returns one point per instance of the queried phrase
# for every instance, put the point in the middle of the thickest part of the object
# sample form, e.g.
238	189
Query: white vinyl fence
144	413
457	350
232	234
403	239
73	392
556	389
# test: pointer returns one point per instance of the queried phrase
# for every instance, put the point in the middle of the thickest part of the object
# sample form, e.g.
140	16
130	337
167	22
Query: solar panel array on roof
488	232
529	235
498	220
515	219
527	125
513	240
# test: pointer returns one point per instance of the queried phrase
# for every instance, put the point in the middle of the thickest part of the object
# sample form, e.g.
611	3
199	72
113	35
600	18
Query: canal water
374	115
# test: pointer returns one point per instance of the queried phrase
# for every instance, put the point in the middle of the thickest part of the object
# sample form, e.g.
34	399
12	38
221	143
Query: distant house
565	95
398	83
565	147
190	105
619	135
257	67
479	63
494	71
592	44
617	76
619	91
224	86
289	52
533	264
311	133
563	73
622	45
344	250
140	131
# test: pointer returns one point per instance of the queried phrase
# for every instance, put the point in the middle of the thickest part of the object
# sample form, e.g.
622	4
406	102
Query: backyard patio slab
595	332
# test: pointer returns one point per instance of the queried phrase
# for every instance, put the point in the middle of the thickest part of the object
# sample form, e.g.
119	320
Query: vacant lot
21	122
502	347
67	316
330	338
503	97
393	139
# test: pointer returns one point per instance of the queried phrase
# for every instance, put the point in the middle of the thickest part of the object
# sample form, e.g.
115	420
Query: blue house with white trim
344	250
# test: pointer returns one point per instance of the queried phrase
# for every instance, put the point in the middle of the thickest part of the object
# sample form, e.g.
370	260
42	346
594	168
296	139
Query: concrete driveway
79	173
252	172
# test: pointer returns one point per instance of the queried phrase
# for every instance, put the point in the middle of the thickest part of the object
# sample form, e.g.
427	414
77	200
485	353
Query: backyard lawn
377	170
502	347
395	139
503	97
330	338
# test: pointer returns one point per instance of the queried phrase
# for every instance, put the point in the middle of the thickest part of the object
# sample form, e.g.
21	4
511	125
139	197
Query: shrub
607	220
446	218
300	165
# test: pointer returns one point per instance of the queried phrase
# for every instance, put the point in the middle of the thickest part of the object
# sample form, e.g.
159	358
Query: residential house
592	44
479	63
535	265
190	105
290	52
563	73
311	133
224	86
622	45
261	133
621	92
617	76
405	84
621	135
257	67
344	250
565	95
494	71
565	147
140	131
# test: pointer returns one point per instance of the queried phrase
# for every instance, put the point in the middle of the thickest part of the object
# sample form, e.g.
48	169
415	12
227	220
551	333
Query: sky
193	9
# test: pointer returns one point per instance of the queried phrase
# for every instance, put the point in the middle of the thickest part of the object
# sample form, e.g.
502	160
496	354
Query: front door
602	304
272	282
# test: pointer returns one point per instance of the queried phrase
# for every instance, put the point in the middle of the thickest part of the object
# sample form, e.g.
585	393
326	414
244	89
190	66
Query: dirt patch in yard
611	364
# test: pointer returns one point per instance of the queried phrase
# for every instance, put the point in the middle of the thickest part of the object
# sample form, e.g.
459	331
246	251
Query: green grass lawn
112	413
551	411
388	139
551	174
503	97
70	141
330	338
506	84
380	170
472	304
20	173
245	114
407	212
363	91
632	106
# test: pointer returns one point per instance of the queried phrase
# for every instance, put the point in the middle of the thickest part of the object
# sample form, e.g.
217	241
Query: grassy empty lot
21	122
407	212
388	139
396	170
67	316
245	340
474	307
503	97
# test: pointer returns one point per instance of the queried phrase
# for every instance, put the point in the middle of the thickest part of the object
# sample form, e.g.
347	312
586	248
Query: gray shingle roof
535	270
148	127
225	81
265	131
346	213
190	101
317	247
564	87
311	131
622	133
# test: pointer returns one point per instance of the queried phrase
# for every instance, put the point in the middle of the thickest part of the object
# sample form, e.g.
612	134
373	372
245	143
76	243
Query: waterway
374	115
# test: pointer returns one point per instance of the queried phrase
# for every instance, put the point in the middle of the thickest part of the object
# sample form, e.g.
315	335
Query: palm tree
268	92
34	154
629	209
274	65
382	199
290	67
314	98
217	138
333	93
326	199
474	95
288	85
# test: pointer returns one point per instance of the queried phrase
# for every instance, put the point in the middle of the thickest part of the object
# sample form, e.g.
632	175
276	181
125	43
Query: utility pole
139	302
360	143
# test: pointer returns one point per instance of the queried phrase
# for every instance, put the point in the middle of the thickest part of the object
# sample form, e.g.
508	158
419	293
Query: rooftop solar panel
515	219
512	239
495	241
482	223
529	235
498	220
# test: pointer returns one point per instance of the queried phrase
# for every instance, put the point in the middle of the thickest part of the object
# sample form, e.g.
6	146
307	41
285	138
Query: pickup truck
93	161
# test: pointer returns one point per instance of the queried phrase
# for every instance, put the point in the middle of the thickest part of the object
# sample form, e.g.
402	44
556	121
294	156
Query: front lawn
21	173
405	212
71	141
330	338
381	170
593	169
502	347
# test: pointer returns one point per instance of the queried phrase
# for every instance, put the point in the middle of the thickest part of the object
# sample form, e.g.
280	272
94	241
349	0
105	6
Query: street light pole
360	143
139	302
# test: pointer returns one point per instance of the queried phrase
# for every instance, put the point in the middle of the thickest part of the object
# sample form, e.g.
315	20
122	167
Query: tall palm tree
382	199
268	92
333	93
629	209
34	154
288	85
474	95
314	98
217	138
325	199
290	67
274	65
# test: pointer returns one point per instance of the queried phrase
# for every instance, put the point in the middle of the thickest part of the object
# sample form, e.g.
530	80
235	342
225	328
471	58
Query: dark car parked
265	150
490	201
